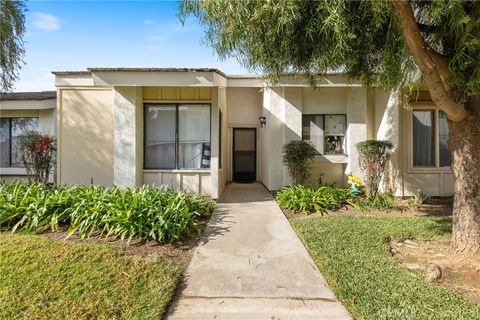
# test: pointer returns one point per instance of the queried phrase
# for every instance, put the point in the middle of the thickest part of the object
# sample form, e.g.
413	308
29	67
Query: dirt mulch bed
435	208
180	252
438	263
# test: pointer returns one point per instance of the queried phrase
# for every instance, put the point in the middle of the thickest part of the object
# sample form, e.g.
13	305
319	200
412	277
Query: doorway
244	155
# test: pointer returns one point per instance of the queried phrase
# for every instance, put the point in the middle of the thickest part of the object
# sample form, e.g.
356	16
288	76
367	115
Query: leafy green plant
382	202
161	214
298	156
373	158
38	155
300	198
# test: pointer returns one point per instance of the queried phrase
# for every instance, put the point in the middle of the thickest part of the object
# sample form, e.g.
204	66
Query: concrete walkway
250	264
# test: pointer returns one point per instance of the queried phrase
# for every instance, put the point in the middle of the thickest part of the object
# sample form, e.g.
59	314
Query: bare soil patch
180	252
458	273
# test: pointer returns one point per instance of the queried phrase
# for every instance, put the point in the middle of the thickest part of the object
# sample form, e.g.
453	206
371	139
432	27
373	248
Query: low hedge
158	213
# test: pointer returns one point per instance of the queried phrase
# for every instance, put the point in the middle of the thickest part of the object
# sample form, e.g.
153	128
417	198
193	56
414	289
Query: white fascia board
334	81
155	79
245	82
28	104
74	80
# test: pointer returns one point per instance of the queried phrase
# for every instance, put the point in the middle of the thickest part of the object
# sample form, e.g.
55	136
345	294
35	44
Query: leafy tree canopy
359	38
12	29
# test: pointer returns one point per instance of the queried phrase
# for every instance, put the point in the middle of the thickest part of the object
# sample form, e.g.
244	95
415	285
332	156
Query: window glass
160	136
19	127
194	136
4	142
335	127
423	138
312	130
445	157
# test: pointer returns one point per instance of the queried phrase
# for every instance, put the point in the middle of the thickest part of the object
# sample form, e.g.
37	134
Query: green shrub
373	158
298	156
161	214
38	154
382	202
302	198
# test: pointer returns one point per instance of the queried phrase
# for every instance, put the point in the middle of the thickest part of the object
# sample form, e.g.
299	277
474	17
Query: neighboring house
197	129
21	112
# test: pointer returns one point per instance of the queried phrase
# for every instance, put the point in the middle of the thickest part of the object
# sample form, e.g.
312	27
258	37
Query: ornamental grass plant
157	213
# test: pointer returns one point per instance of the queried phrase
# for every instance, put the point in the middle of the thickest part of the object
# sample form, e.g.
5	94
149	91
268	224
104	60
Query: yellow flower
353	180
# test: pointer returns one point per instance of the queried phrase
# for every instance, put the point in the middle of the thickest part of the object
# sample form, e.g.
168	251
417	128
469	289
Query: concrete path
250	264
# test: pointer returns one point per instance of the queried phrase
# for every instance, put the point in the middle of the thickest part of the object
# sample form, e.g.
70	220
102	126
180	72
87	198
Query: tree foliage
12	30
359	38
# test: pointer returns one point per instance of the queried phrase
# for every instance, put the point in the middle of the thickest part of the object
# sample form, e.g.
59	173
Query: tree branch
433	66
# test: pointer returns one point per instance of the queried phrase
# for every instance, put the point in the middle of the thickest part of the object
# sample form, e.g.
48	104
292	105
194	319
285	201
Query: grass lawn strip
43	278
353	254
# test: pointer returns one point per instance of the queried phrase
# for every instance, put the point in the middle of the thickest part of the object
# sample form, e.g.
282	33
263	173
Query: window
177	136
10	130
430	135
325	131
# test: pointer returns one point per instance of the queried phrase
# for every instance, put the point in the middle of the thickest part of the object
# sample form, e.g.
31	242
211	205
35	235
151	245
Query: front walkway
251	265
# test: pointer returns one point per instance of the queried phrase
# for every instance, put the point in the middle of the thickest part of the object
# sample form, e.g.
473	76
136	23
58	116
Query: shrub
298	156
161	214
38	155
382	202
302	198
374	156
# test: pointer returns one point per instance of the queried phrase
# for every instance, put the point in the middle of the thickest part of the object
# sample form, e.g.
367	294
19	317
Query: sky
75	35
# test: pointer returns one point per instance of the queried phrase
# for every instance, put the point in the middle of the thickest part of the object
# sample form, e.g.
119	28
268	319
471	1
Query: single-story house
21	112
197	129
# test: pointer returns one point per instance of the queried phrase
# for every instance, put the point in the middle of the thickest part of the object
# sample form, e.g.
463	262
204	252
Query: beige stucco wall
85	136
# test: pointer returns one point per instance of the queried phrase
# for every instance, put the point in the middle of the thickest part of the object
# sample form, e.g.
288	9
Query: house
197	129
21	112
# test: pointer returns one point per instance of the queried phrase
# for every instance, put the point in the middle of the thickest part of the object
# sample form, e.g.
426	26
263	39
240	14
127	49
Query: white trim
176	170
12	171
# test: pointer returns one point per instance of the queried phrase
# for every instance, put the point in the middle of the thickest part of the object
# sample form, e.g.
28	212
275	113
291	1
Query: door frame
255	152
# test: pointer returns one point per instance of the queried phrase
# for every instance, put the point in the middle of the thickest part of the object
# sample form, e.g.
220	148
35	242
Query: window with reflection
10	131
177	136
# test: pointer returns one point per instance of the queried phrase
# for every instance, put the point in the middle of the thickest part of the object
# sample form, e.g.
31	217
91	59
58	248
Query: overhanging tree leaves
389	44
12	30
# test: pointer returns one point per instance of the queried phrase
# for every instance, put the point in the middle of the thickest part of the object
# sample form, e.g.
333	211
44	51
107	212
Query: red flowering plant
373	158
38	154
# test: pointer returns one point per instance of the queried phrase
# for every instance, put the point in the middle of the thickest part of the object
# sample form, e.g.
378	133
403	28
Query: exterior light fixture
263	121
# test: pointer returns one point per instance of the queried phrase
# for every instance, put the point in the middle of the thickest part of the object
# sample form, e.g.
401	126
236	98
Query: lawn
353	254
43	278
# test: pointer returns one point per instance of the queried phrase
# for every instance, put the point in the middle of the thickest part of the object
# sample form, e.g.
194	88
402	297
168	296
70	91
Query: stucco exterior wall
85	131
127	158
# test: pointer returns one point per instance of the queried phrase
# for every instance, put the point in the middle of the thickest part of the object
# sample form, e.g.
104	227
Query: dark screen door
244	154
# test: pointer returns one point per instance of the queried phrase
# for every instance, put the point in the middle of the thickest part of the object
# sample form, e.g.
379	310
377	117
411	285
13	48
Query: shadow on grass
440	227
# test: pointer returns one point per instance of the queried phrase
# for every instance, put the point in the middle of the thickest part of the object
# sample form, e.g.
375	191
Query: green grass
353	254
42	278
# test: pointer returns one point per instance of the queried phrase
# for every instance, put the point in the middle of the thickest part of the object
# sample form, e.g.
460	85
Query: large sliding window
177	136
325	131
10	131
430	135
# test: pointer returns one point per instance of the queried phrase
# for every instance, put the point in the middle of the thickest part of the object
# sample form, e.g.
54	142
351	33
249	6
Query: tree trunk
464	144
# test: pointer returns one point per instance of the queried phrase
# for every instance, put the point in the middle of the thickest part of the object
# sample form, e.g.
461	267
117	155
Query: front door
244	155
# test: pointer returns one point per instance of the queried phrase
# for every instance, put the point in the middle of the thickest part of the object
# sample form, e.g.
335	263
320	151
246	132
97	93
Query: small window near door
430	135
326	132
